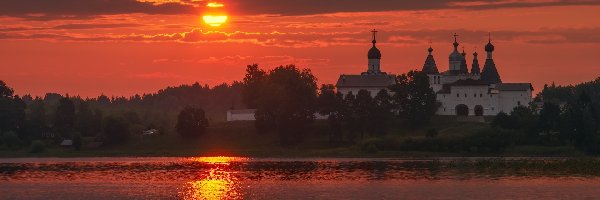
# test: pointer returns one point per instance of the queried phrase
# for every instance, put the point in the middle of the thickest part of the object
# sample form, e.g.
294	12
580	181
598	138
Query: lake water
248	178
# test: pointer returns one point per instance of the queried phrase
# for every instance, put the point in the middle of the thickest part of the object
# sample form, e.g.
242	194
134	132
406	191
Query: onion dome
374	53
430	50
455	56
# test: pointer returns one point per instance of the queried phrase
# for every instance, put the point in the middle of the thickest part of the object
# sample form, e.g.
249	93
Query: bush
37	146
191	122
77	141
431	133
370	148
116	130
11	140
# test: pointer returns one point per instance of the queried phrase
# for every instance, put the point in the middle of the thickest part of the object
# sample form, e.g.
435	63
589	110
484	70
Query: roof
514	86
446	88
367	80
66	143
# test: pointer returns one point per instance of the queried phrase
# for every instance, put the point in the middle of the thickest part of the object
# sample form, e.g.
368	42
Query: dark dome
475	54
430	49
374	53
489	47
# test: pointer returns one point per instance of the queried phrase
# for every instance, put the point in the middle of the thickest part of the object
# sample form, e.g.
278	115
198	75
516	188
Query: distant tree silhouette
191	122
381	113
331	104
116	130
65	117
350	116
252	81
364	107
413	98
287	102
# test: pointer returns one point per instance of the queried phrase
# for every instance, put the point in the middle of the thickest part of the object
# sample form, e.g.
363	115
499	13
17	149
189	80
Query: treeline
287	98
105	120
567	115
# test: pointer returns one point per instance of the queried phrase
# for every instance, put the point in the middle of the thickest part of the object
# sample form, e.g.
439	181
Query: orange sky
92	47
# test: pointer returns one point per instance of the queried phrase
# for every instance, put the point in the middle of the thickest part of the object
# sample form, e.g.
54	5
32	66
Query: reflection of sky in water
238	178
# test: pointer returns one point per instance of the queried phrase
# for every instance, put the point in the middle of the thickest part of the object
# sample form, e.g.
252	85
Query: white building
474	93
479	92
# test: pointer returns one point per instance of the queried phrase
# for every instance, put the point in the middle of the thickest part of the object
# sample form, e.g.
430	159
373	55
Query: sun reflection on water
217	182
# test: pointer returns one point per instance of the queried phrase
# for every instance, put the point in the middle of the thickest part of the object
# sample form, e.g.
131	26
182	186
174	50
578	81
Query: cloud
81	9
324	39
94	26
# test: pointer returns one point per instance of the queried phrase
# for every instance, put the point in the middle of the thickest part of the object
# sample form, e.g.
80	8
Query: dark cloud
320	39
94	26
78	9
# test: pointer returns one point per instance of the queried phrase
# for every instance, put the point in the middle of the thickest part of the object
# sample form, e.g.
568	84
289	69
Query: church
460	91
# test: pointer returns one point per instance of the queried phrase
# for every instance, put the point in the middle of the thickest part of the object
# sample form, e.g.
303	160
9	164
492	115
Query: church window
518	103
474	95
465	95
457	95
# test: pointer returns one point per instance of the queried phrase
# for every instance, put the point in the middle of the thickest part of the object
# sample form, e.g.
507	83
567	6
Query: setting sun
215	17
214	20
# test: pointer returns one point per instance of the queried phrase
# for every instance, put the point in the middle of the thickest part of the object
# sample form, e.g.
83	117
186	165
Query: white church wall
508	100
470	96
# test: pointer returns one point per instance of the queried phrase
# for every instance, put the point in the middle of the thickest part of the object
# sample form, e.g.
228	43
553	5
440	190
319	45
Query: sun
215	16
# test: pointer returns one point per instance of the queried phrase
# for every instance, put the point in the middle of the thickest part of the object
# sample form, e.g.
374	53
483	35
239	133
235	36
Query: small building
241	115
150	132
66	143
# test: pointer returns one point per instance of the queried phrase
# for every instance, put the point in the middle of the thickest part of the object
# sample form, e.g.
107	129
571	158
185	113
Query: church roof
446	88
514	86
490	74
380	80
430	67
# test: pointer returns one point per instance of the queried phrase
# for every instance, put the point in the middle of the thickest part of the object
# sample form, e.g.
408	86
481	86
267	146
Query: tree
286	102
549	118
330	104
252	81
85	120
5	90
191	122
36	124
381	113
116	130
364	106
12	109
502	120
413	98
65	117
349	116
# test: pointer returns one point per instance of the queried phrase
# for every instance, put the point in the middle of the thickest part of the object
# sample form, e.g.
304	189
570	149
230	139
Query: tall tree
287	102
12	109
413	98
252	81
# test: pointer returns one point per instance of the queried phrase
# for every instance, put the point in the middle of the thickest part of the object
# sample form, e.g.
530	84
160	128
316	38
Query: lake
275	178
